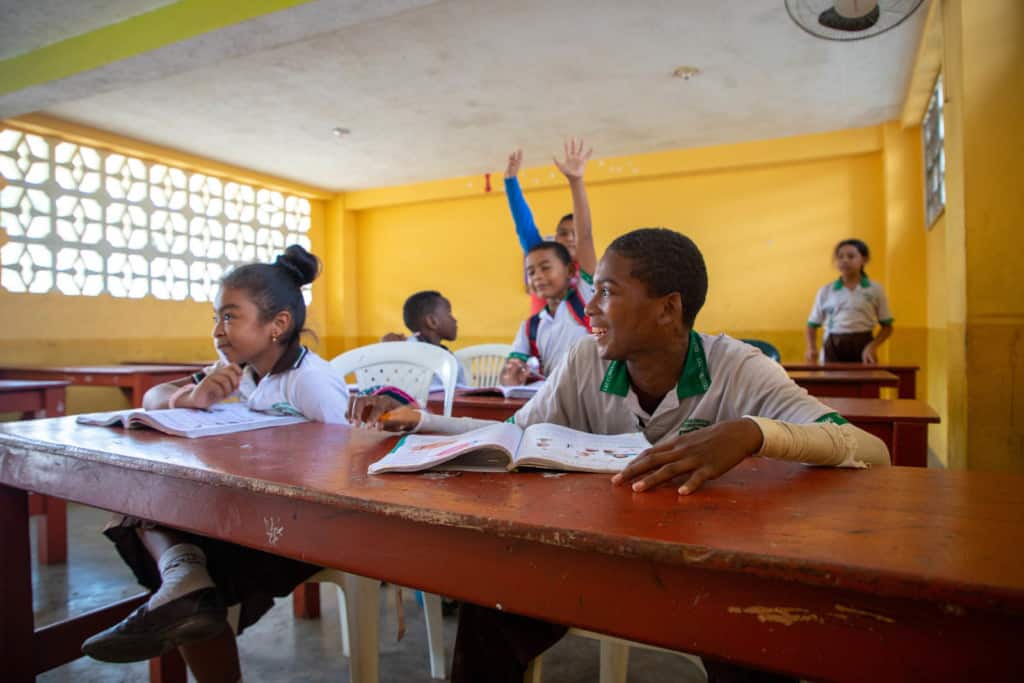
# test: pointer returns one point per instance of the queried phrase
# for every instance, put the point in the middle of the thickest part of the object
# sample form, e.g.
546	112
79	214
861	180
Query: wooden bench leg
17	622
52	532
306	601
168	669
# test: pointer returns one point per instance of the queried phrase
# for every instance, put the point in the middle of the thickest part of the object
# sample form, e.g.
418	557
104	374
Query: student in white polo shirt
548	334
849	309
705	402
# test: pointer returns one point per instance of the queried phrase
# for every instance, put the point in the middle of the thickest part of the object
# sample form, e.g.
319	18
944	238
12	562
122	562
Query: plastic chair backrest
483	363
766	348
410	367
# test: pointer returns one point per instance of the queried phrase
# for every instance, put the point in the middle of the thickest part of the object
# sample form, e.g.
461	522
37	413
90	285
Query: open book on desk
517	391
504	446
222	418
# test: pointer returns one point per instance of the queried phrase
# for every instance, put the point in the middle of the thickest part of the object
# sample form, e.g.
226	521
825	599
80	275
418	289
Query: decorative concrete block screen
86	221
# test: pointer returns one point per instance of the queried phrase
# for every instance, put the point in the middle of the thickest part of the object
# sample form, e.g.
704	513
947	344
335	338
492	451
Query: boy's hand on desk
214	388
694	457
365	411
575	159
402	419
514	373
515	160
868	355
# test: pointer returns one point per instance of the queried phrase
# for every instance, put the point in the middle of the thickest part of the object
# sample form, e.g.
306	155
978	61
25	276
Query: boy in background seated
706	403
428	315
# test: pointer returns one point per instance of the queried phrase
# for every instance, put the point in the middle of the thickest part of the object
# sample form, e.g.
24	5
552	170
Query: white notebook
223	418
504	446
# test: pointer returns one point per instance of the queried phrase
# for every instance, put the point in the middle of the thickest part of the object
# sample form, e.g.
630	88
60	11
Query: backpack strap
578	308
532	325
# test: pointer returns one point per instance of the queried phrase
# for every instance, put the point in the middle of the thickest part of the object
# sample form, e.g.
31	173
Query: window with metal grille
85	221
933	136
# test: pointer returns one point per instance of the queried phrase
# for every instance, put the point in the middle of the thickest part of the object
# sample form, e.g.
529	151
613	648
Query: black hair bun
302	266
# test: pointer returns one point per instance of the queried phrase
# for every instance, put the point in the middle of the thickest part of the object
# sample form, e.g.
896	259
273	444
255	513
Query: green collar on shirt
864	282
696	379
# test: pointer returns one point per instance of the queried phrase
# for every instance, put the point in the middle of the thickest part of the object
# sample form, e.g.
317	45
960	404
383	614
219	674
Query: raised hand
575	159
515	160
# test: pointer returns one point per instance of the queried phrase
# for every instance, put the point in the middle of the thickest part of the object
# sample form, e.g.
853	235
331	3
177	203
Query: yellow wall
766	215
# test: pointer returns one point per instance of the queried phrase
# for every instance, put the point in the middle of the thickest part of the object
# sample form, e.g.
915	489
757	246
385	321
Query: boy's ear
672	309
430	321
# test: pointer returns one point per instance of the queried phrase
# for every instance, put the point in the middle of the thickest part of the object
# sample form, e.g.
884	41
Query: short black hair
667	261
277	286
419	306
566	217
560	251
857	244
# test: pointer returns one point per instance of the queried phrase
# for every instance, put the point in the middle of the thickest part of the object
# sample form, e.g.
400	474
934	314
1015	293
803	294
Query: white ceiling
440	89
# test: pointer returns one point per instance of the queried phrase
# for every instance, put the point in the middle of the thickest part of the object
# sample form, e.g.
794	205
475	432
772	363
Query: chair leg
435	635
362	607
535	671
614	661
346	650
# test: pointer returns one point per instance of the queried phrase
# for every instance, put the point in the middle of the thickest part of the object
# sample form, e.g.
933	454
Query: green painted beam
134	36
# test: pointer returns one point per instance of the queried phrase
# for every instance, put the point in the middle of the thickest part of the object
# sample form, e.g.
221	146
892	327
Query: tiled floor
280	648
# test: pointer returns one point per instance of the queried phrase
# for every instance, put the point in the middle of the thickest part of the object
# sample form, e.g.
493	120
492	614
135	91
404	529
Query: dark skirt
846	348
243	576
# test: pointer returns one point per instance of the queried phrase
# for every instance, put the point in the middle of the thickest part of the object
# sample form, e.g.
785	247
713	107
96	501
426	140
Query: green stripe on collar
864	282
834	418
520	356
586	277
696	378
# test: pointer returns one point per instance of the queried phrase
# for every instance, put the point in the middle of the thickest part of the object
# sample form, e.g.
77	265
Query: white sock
182	571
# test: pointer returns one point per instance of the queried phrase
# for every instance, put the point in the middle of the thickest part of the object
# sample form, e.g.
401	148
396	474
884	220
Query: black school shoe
146	633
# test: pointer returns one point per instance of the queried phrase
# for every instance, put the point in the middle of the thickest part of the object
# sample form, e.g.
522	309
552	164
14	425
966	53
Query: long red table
133	380
907	374
35	400
851	383
889	574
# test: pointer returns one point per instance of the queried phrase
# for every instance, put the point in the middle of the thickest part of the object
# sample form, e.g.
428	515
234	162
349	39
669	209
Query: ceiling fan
849	19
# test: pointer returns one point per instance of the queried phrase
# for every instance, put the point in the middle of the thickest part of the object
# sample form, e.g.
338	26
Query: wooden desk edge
825	575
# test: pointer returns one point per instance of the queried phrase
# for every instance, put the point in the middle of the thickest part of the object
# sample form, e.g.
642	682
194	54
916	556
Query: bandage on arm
820	443
439	424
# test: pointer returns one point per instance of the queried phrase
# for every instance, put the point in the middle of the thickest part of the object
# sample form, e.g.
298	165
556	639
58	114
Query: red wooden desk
32	400
852	383
889	574
901	423
907	374
133	380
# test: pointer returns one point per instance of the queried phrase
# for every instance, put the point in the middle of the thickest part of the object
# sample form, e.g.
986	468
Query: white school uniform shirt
555	334
435	383
842	310
722	379
310	388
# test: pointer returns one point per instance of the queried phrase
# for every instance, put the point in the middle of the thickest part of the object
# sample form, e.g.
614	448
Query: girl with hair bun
259	314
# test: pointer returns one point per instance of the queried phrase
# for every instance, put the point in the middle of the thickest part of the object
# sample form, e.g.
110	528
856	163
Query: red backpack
576	308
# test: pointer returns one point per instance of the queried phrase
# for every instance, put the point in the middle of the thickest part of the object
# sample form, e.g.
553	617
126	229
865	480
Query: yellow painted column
341	277
983	52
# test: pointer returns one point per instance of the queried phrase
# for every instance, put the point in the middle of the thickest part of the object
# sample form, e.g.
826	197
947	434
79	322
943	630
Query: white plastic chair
614	658
410	367
483	363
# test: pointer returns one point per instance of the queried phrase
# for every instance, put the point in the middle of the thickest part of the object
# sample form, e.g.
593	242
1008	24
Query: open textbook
504	446
223	418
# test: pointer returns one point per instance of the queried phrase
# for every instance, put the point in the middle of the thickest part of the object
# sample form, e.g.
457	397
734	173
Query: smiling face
548	275
626	320
239	334
849	260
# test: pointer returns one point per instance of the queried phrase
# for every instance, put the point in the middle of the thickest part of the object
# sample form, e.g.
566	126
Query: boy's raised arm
526	228
572	168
